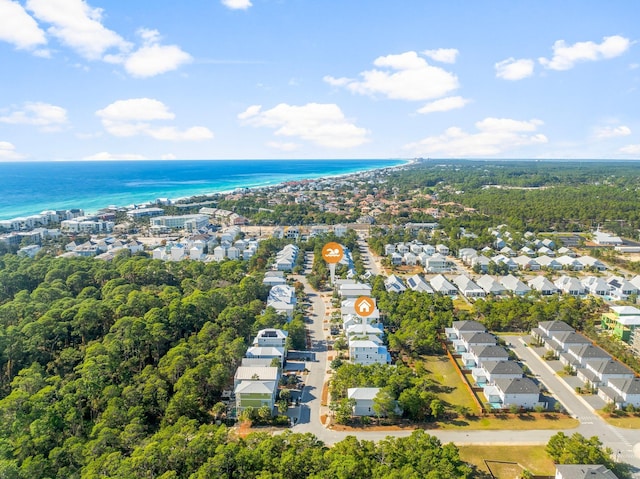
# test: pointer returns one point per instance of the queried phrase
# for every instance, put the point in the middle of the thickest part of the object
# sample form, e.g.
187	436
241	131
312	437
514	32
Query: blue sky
234	79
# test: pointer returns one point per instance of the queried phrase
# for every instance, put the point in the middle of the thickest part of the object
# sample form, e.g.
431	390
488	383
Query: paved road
368	258
626	443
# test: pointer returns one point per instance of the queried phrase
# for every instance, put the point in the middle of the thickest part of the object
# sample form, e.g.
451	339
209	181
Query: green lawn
625	420
445	374
532	458
514	422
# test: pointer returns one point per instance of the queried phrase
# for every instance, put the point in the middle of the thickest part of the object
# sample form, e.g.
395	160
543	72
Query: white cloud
237	4
606	132
168	156
48	117
321	124
18	27
630	150
406	76
132	117
8	151
444	104
152	58
104	156
494	136
283	146
512	69
77	25
566	56
444	55
171	133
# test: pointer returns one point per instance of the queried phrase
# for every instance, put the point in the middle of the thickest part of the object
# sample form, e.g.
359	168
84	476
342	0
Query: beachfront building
185	222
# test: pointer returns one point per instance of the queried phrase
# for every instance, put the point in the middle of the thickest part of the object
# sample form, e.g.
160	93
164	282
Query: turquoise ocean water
31	187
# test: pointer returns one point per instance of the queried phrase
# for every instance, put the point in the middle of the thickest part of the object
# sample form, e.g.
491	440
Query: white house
354	290
464	326
367	352
593	263
548	263
570	285
440	284
418	283
583	471
437	263
394	284
255	394
522	392
271	338
596	286
256	373
468	287
479	354
266	352
622	392
514	285
471	339
578	355
490	285
599	372
363	398
493	370
621	289
543	285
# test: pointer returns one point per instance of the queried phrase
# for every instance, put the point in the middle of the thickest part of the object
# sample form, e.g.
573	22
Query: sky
325	79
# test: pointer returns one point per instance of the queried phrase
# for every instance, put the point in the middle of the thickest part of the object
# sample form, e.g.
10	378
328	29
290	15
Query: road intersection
624	442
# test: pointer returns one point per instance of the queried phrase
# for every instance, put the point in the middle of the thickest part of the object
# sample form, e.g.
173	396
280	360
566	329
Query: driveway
625	443
622	441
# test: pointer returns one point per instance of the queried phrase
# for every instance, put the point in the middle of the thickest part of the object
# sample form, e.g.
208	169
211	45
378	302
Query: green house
621	321
255	394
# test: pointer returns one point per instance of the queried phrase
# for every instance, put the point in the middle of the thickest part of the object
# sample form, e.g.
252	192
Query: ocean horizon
32	187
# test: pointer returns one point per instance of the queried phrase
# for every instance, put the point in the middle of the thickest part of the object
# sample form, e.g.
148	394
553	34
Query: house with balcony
255	394
368	352
622	321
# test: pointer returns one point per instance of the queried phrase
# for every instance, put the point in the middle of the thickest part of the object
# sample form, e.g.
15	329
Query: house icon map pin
364	306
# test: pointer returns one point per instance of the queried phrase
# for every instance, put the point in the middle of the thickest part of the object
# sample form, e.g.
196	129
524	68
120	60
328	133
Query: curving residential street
624	442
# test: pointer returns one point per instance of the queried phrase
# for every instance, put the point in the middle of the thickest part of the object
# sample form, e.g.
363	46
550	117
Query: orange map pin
364	306
332	253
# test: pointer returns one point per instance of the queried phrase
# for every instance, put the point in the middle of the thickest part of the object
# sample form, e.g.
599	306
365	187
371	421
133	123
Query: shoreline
213	194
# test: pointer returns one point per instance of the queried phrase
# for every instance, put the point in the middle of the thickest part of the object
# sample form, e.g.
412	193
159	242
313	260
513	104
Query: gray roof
362	393
571	337
490	352
517	386
628	386
587	351
584	471
610	366
555	326
465	326
502	367
475	337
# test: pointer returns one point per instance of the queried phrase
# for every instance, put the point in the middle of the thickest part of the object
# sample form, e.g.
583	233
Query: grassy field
514	422
455	393
531	458
444	373
625	420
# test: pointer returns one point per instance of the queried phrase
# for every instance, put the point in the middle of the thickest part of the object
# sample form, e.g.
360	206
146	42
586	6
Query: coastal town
328	365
